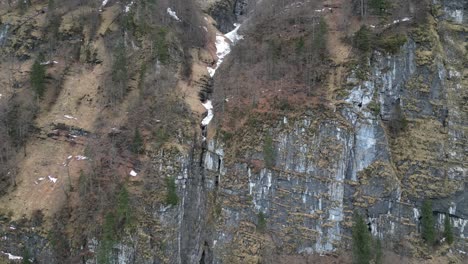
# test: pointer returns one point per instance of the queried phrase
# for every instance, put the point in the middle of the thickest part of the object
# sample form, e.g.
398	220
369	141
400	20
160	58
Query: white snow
12	257
48	62
233	36
41	179
79	157
209	107
52	179
172	14
69	157
133	173
12	228
127	7
223	47
70	117
222	50
104	3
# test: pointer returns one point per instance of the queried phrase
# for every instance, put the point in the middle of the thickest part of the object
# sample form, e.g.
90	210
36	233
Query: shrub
392	43
427	221
300	45
171	195
361	241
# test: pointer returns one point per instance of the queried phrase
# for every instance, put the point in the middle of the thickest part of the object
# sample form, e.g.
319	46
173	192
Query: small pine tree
427	221
123	206
379	6
261	226
362	39
269	154
119	73
448	232
378	252
171	196
361	241
137	144
37	77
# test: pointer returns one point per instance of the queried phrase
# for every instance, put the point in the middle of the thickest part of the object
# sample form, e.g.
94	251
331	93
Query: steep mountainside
233	131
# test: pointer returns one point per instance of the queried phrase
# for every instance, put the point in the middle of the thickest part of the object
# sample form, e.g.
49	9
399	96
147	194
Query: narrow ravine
223	48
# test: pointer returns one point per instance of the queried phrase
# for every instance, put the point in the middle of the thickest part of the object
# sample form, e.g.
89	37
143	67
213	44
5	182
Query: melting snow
104	3
52	179
223	48
12	257
209	107
12	228
79	157
133	173
172	14
70	117
127	7
233	36
48	62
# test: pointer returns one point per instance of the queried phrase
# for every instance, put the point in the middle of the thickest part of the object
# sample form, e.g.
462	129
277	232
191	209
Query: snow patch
172	14
233	36
222	50
104	3
79	157
127	7
48	62
133	173
209	107
456	15
70	117
223	47
52	179
12	257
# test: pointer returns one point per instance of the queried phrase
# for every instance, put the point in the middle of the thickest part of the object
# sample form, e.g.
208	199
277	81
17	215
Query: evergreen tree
119	73
427	219
269	154
137	144
448	232
171	196
362	39
37	77
378	258
361	241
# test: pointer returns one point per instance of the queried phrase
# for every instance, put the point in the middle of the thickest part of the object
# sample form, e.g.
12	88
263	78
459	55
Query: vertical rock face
290	185
400	139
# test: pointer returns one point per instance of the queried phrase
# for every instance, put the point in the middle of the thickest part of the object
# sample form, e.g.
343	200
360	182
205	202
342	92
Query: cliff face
399	138
277	178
